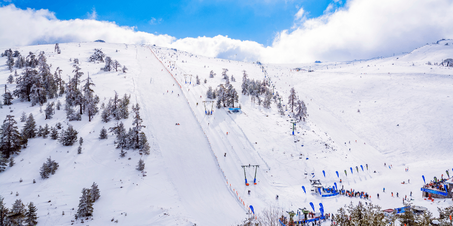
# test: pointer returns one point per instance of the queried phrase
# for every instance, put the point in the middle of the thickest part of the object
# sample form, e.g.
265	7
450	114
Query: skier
224	155
249	192
397	194
377	195
383	190
276	197
392	193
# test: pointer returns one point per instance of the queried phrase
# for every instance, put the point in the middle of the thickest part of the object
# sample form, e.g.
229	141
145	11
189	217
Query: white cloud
362	29
93	15
154	21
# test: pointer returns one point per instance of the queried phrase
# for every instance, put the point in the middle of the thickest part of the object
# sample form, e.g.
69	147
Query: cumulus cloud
361	29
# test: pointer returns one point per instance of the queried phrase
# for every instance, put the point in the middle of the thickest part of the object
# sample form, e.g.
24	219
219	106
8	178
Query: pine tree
23	117
74	96
40	131
90	101
49	167
108	64
57	48
211	74
7	97
197	80
4	211
232	96
98	55
25	82
292	99
11	161
141	165
3	164
209	93
138	125
69	136
301	110
46	131
10	61
29	129
124	69
95	193
10	142
103	134
17	213
85	204
53	133
31	217
121	136
267	100
49	110
10	79
116	65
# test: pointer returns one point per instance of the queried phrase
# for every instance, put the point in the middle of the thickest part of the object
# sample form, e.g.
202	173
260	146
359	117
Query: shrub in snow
49	167
69	136
103	134
141	165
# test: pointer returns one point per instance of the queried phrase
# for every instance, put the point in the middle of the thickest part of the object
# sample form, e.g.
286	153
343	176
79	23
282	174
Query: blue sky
271	31
255	20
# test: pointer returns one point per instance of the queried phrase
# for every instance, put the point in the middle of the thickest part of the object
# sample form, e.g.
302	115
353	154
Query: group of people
352	193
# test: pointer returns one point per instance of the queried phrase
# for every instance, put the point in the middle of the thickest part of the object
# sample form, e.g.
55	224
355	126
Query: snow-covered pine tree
90	100
108	64
37	95
76	61
227	80
222	95
10	79
233	79
10	142
137	127
125	69
20	62
232	96
211	74
301	110
103	134
10	61
74	96
49	167
121	136
17	213
140	165
59	81
209	93
53	133
49	110
116	65
197	80
40	131
224	73
85	204
69	136
57	48
98	55
3	164
144	145
46	131
267	100
7	97
4	211
31	217
31	60
123	109
11	161
95	193
292	99
23	117
24	84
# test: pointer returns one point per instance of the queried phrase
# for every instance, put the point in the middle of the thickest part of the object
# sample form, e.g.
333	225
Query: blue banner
319	190
303	188
434	192
330	195
352	172
423	176
312	206
251	208
361	167
338	175
324	172
335	183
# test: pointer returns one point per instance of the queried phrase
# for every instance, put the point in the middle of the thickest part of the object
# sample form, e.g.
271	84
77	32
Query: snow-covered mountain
393	110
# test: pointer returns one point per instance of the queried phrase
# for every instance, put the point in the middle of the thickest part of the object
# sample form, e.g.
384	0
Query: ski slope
194	173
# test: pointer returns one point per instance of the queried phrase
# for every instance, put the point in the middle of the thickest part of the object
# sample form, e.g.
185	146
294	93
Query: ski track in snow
188	179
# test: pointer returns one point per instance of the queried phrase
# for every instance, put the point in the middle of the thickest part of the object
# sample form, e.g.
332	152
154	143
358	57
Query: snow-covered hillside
393	110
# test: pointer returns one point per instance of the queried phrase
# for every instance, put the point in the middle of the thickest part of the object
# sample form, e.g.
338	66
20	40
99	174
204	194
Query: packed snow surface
393	110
